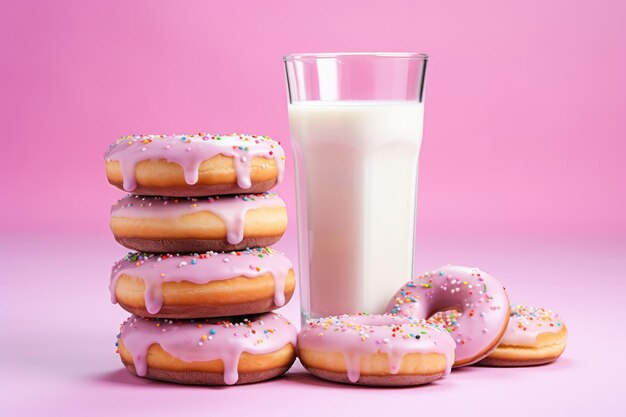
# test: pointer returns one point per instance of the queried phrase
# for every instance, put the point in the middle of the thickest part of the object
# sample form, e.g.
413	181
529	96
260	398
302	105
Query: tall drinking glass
356	129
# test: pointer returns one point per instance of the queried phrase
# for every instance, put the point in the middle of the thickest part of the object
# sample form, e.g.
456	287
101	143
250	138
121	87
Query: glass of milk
356	129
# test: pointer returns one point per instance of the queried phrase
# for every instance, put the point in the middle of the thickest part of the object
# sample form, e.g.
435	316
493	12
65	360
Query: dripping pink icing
189	151
528	322
230	209
200	269
479	296
362	335
203	340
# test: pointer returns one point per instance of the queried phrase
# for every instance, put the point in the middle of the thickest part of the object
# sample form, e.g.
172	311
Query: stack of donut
202	281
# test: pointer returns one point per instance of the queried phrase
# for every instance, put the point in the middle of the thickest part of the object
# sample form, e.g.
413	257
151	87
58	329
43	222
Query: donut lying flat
202	285
171	224
479	296
534	336
380	350
195	165
208	351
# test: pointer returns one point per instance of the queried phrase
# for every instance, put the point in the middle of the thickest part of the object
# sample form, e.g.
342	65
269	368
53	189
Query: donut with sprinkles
534	336
377	350
207	284
224	351
480	298
198	224
194	165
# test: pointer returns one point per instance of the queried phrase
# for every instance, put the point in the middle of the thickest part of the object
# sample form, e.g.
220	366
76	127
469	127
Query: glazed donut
208	351
378	350
202	285
195	165
479	296
166	224
534	336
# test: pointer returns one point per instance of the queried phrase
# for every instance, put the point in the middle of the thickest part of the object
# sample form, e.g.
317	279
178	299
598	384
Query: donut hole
446	317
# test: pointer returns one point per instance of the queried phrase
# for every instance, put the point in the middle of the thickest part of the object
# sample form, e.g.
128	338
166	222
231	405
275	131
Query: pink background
522	173
524	128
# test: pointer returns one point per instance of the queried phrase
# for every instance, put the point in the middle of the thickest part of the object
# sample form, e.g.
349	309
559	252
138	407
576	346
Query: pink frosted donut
208	351
195	165
202	285
198	224
376	349
480	298
534	336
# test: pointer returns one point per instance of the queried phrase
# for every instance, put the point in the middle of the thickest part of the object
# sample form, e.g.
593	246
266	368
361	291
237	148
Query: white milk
360	159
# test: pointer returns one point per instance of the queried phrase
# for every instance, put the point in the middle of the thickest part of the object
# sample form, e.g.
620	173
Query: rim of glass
335	55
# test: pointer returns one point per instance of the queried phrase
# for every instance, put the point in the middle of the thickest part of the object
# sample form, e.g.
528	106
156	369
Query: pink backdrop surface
524	129
522	173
